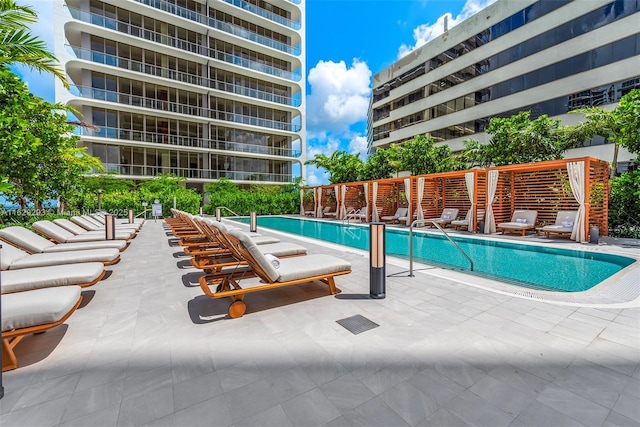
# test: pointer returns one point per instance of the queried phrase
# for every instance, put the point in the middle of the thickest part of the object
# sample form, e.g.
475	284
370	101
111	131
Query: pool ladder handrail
435	223
224	207
346	216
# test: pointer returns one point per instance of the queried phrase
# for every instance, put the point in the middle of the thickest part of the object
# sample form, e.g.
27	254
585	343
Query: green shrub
624	206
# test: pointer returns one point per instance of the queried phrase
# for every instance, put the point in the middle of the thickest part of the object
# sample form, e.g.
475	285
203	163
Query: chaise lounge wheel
237	309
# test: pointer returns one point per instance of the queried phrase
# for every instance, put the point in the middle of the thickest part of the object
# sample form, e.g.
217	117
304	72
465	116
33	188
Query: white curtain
374	213
468	179
407	194
319	209
576	180
366	196
315	201
301	202
343	207
420	214
489	219
336	190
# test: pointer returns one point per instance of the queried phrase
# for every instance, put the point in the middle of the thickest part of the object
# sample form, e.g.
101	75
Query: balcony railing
265	13
181	44
187	141
236	30
148	171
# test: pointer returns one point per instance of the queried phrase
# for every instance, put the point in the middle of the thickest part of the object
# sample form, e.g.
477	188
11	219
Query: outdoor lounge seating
61	235
447	216
464	223
400	213
274	273
31	312
79	231
565	221
90	224
521	221
223	256
14	258
81	274
34	243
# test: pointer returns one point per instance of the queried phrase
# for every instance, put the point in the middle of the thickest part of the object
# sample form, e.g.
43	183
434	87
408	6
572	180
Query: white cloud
426	32
358	145
339	95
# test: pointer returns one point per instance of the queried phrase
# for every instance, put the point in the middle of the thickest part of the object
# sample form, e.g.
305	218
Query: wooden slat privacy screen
541	186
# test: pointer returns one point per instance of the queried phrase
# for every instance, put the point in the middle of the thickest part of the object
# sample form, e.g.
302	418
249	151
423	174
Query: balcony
265	13
152	171
187	141
236	30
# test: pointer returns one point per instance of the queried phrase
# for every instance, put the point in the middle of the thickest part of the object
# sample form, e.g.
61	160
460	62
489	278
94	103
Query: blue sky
348	41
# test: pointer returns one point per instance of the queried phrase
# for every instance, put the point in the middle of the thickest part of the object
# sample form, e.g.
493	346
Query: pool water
531	266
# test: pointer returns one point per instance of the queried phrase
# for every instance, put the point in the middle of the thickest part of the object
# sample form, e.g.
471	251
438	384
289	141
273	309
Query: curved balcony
187	141
236	30
109	59
265	13
173	107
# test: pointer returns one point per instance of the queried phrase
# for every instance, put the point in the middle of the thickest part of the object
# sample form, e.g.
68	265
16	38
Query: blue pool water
532	266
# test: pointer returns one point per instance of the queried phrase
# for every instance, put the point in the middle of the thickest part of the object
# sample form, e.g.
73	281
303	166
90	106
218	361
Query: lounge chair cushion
79	231
37	307
62	235
257	254
90	226
14	258
34	243
44	277
309	266
282	249
257	239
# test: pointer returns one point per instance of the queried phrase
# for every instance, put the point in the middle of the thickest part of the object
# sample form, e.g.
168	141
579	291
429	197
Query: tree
39	156
377	166
421	156
620	125
19	46
341	166
518	139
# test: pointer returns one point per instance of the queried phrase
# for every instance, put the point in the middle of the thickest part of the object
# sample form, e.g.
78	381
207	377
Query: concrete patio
148	348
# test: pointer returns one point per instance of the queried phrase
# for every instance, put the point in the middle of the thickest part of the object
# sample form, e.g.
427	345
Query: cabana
550	187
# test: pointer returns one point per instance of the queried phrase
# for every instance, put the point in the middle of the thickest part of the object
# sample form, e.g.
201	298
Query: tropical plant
378	166
518	139
19	47
421	156
39	156
620	125
624	206
272	200
341	166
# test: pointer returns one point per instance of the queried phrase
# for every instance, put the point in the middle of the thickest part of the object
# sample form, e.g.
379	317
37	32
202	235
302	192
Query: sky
347	42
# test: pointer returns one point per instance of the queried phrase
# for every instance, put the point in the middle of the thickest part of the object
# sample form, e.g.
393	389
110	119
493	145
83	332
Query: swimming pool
532	266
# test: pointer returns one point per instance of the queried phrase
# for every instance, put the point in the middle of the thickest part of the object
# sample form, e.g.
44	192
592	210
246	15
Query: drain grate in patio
357	324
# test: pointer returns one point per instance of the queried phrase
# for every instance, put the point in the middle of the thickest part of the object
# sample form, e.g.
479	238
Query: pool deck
148	348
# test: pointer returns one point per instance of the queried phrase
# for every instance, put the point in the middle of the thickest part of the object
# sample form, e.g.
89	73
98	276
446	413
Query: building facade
544	56
202	89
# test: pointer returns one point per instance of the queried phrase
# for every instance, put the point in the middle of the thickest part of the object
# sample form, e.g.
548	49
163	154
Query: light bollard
377	260
109	227
130	216
218	215
200	211
253	222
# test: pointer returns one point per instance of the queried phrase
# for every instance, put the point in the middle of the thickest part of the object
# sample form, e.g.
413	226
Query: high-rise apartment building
545	56
202	89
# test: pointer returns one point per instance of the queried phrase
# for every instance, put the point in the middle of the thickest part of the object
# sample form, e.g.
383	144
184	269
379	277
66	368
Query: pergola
548	187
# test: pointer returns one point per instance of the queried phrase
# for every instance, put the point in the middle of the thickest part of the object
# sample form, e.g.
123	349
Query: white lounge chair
14	258
61	235
464	223
521	221
34	311
400	213
79	231
446	217
26	279
34	243
565	221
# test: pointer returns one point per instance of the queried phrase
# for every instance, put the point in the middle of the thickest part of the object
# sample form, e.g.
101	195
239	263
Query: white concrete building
545	56
202	89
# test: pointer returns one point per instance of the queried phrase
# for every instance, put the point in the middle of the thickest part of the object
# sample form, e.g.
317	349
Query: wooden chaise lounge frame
11	338
229	287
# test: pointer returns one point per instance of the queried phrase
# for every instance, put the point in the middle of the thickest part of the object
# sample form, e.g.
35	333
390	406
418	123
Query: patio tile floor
148	348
